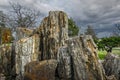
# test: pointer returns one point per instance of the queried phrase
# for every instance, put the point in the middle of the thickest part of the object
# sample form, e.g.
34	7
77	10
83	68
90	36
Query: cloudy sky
101	14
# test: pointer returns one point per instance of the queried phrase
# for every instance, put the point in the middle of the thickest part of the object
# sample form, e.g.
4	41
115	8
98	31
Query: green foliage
111	41
2	19
5	35
101	54
73	29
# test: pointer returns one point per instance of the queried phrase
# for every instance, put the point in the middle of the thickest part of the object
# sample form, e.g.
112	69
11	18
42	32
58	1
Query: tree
2	24
118	26
6	35
117	30
90	31
22	16
73	29
2	19
108	43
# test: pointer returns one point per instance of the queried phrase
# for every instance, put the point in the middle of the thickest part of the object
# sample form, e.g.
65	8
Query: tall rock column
53	32
26	51
84	59
79	61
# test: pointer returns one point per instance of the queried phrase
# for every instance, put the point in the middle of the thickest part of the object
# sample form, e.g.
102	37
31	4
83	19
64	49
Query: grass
102	54
116	51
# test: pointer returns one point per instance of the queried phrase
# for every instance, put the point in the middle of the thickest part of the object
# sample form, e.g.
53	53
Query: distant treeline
109	42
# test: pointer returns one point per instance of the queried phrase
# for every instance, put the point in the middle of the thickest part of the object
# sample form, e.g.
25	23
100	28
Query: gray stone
64	65
7	61
27	50
111	65
23	32
111	77
47	53
79	60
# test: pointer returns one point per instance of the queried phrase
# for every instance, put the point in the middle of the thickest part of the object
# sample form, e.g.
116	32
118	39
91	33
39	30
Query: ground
102	53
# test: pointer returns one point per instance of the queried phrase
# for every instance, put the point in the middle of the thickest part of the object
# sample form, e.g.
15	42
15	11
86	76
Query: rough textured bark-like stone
7	62
27	50
43	70
23	32
53	32
76	57
111	77
111	65
79	60
64	64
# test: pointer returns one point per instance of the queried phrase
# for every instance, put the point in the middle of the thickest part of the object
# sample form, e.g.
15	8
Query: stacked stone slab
27	50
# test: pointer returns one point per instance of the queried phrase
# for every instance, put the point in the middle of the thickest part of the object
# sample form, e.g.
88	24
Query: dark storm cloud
102	14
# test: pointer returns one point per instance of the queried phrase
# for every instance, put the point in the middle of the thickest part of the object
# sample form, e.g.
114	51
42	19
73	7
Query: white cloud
104	34
84	12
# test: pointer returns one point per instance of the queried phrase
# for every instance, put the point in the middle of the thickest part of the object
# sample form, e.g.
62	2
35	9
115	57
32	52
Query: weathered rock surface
77	56
7	62
27	50
64	70
111	65
43	70
49	37
2	77
53	32
111	77
47	53
23	32
79	61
